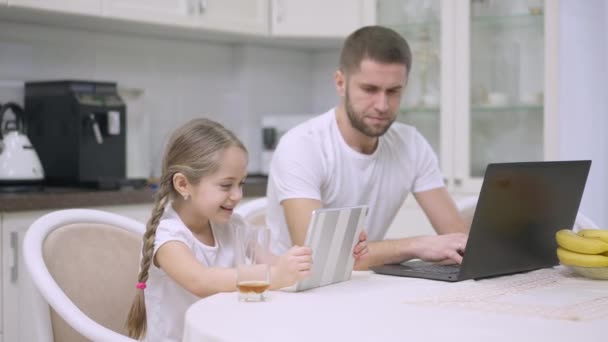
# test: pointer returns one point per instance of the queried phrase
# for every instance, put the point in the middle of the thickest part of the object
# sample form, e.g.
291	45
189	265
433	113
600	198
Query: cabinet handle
15	261
202	6
458	182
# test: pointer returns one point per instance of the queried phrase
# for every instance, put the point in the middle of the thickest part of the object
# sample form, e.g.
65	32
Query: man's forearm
387	252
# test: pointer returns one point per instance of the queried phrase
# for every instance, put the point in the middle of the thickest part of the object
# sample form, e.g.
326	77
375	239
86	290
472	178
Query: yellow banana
601	234
567	257
567	239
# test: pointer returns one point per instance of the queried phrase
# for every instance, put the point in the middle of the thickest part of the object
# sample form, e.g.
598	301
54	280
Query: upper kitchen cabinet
171	12
239	16
506	111
482	87
320	18
89	7
419	22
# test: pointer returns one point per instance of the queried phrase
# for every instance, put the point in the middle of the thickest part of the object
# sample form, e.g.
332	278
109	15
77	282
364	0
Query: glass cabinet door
418	21
506	82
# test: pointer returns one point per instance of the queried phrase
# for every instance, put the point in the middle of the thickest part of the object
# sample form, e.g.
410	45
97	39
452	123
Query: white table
545	305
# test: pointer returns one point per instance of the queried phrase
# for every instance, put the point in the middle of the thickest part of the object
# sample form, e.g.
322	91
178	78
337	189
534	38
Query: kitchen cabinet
17	287
88	7
171	12
320	18
193	18
1	281
240	16
482	87
16	319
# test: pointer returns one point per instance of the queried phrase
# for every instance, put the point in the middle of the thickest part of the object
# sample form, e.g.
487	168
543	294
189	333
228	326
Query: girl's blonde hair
193	150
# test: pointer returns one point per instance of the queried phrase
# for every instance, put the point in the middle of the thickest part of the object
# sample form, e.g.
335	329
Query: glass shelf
513	21
407	29
508	108
418	110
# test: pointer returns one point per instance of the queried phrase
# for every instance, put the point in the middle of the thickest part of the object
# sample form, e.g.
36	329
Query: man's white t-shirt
166	300
313	161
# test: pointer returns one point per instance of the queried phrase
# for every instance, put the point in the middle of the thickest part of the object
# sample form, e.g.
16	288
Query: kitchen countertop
62	198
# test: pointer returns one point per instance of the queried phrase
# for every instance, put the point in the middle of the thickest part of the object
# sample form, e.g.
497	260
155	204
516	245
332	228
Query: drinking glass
252	262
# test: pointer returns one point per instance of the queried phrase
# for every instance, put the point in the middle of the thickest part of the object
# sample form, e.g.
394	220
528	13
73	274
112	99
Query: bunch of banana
588	248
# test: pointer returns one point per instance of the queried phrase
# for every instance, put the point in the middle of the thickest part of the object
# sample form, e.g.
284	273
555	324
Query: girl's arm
294	265
177	260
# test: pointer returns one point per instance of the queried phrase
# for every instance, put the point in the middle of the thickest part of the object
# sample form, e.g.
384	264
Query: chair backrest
466	207
85	263
254	211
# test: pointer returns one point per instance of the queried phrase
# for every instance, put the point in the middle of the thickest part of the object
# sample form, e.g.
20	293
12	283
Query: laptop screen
520	207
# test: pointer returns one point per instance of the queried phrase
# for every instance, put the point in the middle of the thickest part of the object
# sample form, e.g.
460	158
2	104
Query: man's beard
357	121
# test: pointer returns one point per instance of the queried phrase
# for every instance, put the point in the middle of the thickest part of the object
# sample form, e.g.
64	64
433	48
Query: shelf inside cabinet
409	28
510	21
418	110
507	108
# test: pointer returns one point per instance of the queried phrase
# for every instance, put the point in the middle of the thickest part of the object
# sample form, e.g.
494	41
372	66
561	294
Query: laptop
332	234
520	208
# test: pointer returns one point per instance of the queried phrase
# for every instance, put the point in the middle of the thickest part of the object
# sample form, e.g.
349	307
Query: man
356	154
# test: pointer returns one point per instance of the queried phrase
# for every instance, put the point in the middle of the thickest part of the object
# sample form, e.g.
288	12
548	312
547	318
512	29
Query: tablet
332	235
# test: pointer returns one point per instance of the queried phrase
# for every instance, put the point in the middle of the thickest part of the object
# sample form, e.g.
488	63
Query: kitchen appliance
79	130
273	128
19	163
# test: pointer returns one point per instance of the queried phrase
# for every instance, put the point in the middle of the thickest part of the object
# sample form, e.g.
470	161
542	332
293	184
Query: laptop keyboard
427	267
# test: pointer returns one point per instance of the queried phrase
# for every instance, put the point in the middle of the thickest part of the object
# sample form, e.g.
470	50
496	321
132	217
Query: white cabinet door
17	288
505	100
16	283
482	88
320	18
90	7
171	12
1	276
242	16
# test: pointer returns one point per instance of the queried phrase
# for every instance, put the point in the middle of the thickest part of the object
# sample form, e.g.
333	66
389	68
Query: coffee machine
79	130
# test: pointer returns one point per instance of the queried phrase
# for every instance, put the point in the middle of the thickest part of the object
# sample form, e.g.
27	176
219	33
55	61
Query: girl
187	248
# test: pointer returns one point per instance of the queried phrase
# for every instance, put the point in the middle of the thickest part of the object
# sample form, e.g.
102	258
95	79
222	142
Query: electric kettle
19	162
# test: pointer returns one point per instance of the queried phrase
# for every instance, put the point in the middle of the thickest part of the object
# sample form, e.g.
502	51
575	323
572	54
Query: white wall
270	81
583	107
233	84
324	94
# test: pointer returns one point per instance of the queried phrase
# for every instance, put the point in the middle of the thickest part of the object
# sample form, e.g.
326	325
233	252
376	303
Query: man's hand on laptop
445	249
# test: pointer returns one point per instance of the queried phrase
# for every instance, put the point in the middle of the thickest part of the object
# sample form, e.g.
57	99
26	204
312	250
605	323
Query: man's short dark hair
377	43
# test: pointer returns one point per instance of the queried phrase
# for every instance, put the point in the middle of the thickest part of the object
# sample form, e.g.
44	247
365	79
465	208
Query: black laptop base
420	269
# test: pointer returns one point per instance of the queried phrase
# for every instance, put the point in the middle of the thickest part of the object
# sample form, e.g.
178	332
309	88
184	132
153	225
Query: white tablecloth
545	305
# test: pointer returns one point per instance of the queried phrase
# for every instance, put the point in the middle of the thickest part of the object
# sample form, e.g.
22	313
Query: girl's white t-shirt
166	300
313	161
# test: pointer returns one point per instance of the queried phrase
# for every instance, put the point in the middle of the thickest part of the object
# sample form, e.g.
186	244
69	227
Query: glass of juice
252	262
